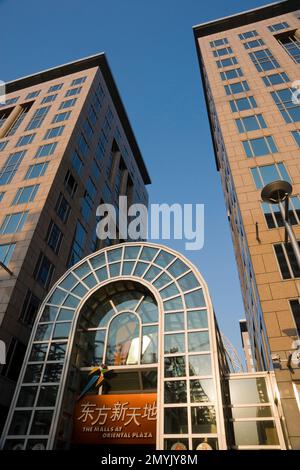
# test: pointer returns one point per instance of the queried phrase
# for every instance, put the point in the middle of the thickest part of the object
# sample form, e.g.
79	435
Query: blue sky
150	48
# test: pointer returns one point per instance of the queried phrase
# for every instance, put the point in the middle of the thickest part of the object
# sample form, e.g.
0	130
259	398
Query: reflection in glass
49	314
162	280
127	267
114	269
175	391
140	269
33	373
203	419
47	395
41	422
26	397
148	253
91	347
164	258
149	345
252	412
148	310
188	282
197	319
43	332
123	344
38	352
52	372
202	390
198	341
57	351
152	273
65	314
178	268
174	343
176	421
114	255
174	321
194	299
169	291
248	391
19	423
175	366
200	364
61	330
149	380
173	304
255	433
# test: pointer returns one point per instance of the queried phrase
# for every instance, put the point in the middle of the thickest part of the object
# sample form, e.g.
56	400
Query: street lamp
278	192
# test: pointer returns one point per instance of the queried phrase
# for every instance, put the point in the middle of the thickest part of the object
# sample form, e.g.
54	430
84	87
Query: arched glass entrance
144	311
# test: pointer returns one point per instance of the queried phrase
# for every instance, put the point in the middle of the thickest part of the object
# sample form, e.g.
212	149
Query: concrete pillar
10	120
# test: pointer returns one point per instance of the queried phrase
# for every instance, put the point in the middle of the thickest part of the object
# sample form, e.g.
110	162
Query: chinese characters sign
116	419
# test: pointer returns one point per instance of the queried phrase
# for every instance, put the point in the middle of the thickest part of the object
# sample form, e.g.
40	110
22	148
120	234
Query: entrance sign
116	419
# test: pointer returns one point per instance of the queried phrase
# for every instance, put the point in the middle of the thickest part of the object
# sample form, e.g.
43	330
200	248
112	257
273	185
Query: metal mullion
233	420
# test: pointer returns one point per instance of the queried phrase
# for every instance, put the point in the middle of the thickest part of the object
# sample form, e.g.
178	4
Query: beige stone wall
274	292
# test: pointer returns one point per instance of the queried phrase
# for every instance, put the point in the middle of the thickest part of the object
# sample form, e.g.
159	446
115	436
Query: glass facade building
140	313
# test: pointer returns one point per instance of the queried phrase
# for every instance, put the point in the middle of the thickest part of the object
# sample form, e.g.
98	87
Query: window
8	171
62	208
49	98
252	44
263	60
242	104
230	74
10	101
265	174
78	81
3	145
92	115
218	42
296	135
273	216
73	91
278	26
61	117
275	79
38	118
88	199
88	129
248	35
33	94
13	223
250	123
291	44
19	119
68	103
77	163
55	87
46	150
6	252
287	261
259	147
295	307
14	360
54	237
54	132
226	62
70	183
25	194
44	271
284	101
238	87
25	140
34	171
29	309
223	51
2	195
82	145
77	250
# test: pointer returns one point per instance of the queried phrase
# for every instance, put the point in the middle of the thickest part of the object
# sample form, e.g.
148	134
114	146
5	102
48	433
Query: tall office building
248	64
66	145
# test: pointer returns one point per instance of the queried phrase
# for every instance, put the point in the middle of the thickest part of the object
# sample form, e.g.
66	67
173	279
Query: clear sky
151	51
